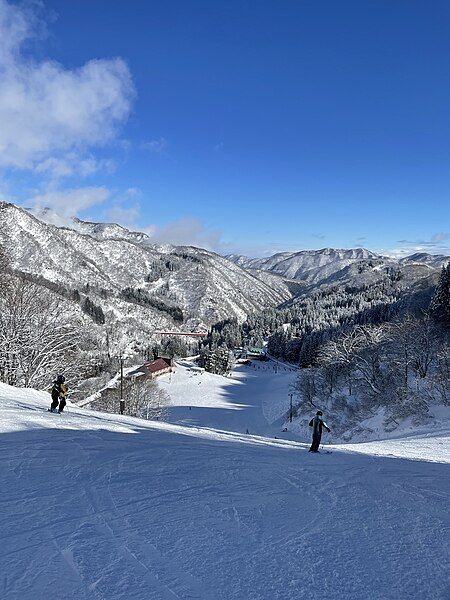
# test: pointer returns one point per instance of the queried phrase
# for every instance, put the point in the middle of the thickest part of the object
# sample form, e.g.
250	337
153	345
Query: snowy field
96	506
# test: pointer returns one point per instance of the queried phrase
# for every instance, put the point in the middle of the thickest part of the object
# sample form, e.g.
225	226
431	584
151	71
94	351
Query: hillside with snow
97	506
101	260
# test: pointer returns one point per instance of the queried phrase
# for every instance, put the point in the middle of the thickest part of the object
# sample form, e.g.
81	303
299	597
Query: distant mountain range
101	260
312	268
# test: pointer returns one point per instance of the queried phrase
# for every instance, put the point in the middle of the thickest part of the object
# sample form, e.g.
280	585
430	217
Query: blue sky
240	126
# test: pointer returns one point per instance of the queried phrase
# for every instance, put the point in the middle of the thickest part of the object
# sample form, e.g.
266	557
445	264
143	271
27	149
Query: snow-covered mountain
333	266
101	260
104	231
435	261
307	265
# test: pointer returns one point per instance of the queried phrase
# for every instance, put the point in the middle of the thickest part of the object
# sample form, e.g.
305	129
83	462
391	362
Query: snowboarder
317	423
59	393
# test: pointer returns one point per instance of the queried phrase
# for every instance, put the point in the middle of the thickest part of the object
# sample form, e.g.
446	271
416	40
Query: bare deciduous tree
440	378
426	345
361	350
307	385
144	398
38	338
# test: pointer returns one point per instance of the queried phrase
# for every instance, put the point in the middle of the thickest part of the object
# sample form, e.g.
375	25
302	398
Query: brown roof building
154	368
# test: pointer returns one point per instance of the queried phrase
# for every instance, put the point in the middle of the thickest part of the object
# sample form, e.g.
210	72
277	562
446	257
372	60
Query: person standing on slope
317	423
59	393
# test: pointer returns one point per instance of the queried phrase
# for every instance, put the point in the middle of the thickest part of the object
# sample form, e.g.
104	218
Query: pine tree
95	312
440	304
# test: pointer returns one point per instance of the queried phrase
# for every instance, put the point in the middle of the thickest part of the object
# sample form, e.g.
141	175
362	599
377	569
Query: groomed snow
256	398
97	506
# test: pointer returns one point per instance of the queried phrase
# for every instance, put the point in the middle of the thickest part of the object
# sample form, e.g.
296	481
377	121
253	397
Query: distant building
255	352
154	368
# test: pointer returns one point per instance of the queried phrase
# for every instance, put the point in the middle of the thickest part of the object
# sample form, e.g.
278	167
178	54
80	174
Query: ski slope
256	398
252	397
97	506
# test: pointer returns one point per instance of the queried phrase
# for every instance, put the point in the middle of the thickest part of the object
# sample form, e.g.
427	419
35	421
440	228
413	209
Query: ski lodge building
154	368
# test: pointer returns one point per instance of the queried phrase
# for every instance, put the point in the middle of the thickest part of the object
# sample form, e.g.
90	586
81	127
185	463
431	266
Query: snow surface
256	398
101	506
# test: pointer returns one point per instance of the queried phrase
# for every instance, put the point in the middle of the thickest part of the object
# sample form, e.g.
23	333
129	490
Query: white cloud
133	192
439	237
123	215
58	206
48	111
188	231
73	164
158	146
437	244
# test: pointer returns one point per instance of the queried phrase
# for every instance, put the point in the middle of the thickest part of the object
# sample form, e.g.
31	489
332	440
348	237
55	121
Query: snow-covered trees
360	350
4	261
38	337
141	297
94	311
402	367
227	332
440	305
416	342
297	332
306	386
219	361
144	398
439	391
160	267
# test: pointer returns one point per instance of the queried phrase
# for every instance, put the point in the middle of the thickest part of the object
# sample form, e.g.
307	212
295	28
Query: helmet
320	413
60	379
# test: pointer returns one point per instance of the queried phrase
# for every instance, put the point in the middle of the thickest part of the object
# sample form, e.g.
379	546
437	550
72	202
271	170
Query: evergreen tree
95	312
218	361
440	304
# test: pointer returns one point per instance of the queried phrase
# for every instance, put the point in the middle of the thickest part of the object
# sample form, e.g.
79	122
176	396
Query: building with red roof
154	368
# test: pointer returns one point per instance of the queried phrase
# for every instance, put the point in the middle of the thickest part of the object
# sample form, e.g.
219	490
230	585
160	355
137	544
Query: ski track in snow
103	507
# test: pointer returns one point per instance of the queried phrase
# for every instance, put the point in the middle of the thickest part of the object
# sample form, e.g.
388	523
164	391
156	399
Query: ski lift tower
122	359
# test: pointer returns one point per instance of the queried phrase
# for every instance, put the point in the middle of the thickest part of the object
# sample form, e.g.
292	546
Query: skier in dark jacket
59	393
317	423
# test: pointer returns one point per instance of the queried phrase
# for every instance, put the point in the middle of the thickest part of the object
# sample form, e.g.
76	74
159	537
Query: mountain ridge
326	265
205	286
